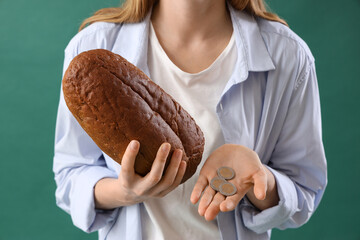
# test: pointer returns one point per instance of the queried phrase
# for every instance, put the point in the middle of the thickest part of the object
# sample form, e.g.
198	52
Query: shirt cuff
262	221
83	212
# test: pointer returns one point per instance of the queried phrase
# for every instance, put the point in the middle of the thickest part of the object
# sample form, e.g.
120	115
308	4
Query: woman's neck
188	20
192	32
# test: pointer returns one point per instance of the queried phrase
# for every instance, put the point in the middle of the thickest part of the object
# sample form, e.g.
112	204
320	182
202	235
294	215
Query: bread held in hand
115	102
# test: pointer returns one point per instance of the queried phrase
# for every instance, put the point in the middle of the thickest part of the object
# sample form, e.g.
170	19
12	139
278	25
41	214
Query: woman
250	84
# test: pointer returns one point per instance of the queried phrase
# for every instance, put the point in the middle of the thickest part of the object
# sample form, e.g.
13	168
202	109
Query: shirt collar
250	42
252	51
132	43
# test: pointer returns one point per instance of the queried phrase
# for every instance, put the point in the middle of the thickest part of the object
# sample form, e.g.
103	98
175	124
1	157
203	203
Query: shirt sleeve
298	162
78	165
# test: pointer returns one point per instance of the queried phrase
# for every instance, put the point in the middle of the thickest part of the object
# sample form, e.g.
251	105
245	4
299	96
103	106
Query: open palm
249	173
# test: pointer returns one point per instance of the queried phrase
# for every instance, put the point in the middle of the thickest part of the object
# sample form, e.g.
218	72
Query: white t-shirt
174	216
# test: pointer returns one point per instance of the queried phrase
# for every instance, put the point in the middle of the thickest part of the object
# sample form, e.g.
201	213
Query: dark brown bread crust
115	102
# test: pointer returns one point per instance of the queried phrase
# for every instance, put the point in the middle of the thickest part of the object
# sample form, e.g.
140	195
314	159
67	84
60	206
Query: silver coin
216	182
226	173
227	189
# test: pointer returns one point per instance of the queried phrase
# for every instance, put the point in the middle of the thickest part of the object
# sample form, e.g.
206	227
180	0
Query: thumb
260	184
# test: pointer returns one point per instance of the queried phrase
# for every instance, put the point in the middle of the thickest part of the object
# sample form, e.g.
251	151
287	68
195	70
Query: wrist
106	193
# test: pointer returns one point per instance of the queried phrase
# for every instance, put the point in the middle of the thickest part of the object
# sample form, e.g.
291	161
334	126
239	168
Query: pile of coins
220	183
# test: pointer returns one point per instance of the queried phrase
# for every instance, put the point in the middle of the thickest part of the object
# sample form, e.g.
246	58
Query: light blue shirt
270	104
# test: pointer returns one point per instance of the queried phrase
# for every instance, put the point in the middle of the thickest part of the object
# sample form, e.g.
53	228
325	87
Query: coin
226	173
216	182
227	189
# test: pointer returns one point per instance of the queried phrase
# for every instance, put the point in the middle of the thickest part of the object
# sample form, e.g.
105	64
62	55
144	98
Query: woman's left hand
251	178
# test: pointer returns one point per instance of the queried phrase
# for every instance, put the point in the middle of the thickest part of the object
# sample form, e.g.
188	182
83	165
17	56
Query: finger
172	169
206	200
177	181
199	187
180	174
260	184
232	201
128	159
169	176
157	168
214	207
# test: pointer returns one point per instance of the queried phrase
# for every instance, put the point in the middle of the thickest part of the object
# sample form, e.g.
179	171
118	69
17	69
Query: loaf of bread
115	102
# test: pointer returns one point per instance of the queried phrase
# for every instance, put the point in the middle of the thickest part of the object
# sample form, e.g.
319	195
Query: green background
33	35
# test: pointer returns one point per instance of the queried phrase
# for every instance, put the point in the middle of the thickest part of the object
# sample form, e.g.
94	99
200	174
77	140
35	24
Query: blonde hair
135	10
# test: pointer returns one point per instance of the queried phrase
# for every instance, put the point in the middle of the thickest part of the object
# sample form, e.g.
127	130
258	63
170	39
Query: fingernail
184	163
201	212
165	147
229	205
133	145
195	197
179	153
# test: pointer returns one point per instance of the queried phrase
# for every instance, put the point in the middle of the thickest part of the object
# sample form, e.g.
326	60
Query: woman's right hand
130	188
